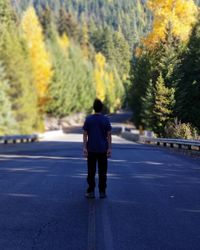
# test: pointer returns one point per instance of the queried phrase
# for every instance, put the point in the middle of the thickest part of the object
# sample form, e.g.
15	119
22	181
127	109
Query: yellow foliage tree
99	76
40	58
111	90
64	41
178	15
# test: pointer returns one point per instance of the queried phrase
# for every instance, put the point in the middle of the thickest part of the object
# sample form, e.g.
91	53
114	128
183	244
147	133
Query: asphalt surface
153	198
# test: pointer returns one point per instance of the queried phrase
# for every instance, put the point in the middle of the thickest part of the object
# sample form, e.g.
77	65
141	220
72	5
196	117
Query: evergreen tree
67	24
46	20
188	89
148	106
82	71
121	55
140	75
84	40
163	107
7	120
60	92
167	57
102	40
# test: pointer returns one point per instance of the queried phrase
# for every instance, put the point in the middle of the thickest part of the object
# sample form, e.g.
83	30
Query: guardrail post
171	145
164	144
189	147
158	143
179	146
123	129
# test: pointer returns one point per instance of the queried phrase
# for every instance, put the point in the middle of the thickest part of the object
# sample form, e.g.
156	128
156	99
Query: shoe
102	195
90	195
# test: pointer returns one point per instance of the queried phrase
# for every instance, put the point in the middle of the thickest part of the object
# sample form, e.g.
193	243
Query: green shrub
180	130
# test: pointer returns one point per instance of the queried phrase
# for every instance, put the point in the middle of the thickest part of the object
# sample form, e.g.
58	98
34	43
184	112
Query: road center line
91	226
107	233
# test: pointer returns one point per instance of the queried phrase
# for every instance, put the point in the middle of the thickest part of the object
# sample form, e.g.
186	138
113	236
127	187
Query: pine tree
83	79
60	92
163	107
46	20
84	40
7	120
102	40
67	24
147	107
140	75
122	55
169	52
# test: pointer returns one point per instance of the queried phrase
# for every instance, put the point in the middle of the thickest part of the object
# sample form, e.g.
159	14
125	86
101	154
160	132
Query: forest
56	57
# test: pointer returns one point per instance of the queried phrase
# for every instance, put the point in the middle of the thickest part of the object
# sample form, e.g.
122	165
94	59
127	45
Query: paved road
153	198
117	120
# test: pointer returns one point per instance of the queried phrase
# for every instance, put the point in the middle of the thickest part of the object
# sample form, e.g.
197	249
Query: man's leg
102	170
91	162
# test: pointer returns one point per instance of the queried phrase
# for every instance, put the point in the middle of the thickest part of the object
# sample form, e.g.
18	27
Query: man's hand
85	152
85	137
109	152
109	137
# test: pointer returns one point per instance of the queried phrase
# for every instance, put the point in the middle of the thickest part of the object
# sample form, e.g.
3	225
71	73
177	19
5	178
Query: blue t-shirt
97	127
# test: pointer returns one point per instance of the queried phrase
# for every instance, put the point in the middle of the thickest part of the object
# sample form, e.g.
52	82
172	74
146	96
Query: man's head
97	105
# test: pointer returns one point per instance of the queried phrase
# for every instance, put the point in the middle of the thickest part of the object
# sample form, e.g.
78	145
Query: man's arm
109	151
85	138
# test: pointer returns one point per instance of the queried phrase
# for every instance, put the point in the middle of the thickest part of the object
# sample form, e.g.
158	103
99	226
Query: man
97	148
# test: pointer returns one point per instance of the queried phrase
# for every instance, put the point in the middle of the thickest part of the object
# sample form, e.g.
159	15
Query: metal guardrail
18	138
189	144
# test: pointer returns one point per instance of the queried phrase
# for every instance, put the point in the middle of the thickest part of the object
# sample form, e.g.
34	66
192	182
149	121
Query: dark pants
92	159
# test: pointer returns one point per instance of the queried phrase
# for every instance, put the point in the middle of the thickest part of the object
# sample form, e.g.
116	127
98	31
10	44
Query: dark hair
97	105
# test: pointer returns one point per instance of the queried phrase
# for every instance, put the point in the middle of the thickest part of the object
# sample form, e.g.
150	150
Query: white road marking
91	226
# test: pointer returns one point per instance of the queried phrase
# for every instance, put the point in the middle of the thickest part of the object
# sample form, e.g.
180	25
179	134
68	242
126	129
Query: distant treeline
130	17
